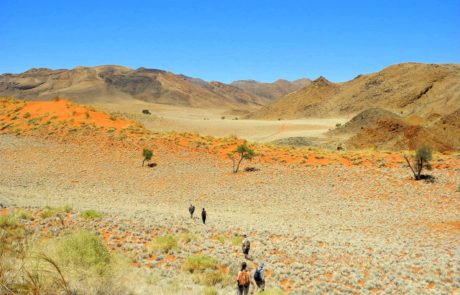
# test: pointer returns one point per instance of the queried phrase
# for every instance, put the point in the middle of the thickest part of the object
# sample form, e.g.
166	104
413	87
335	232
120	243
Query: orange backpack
243	278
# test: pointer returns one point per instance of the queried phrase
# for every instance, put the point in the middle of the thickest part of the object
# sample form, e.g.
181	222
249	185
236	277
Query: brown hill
273	90
294	104
377	128
112	83
409	89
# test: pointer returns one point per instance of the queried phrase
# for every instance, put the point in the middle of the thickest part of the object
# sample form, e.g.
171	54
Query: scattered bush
338	125
242	152
26	115
200	263
84	250
223	117
147	154
90	214
146	112
421	160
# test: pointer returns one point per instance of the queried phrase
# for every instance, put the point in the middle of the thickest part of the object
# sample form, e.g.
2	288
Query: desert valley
327	200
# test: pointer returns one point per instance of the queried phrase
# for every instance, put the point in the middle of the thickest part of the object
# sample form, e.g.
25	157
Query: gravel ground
330	229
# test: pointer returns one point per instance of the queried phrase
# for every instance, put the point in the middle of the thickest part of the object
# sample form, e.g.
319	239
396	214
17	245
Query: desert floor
326	229
166	118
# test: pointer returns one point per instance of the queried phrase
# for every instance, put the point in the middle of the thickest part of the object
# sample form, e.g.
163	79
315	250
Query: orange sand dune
63	120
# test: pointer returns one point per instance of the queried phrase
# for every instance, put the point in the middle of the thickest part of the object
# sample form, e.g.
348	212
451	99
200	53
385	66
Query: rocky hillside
273	90
407	89
115	83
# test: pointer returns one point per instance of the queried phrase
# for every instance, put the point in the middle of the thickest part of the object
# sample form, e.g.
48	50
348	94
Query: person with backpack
245	246
191	210
242	280
203	216
259	277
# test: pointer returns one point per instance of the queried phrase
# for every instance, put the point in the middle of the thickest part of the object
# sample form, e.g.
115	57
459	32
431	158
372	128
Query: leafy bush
338	125
199	263
90	214
84	250
146	112
164	244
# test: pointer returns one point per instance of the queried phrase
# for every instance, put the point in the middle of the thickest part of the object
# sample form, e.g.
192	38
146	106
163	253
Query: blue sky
228	40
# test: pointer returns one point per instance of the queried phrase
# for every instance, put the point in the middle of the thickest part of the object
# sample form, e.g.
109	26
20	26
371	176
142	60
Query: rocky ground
319	229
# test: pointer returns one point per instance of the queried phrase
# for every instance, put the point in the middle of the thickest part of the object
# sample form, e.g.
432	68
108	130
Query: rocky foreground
319	229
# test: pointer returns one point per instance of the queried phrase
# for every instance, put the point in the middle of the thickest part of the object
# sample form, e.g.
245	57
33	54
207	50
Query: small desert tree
240	153
421	160
147	154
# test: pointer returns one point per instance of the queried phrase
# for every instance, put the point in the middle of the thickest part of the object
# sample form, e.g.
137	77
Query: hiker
259	277
245	246
242	280
203	216
191	209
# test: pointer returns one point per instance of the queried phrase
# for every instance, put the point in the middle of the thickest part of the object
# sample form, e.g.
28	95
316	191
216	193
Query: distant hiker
191	209
245	246
242	280
259	277
203	216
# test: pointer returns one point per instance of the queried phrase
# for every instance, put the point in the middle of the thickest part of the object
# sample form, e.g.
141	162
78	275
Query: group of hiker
243	278
191	210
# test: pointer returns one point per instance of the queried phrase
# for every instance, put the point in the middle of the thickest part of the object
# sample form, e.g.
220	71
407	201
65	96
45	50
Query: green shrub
84	250
164	244
200	263
90	214
26	115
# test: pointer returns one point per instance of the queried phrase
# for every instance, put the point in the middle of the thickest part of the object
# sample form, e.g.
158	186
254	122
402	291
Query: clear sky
226	40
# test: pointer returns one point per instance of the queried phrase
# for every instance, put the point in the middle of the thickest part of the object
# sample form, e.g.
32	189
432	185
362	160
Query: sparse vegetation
337	125
147	154
146	112
239	154
421	160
